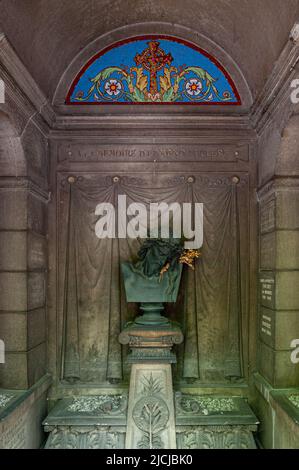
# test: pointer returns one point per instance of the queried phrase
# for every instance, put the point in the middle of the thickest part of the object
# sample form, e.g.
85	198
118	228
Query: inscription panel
267	326
145	153
267	289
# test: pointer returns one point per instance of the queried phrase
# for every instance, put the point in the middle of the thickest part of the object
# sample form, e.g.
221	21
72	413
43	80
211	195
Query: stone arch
178	31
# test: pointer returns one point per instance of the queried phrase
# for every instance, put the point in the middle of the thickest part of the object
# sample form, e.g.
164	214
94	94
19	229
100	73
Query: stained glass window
153	70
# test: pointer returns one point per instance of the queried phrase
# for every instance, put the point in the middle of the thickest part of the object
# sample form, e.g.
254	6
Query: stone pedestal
151	419
151	423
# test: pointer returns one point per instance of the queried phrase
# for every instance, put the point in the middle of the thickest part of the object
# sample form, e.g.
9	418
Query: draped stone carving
211	306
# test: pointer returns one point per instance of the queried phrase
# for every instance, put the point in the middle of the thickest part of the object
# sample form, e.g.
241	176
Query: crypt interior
160	101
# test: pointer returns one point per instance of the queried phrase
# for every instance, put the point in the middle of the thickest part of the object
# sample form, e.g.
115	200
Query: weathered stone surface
35	149
288	157
280	250
14	331
287	249
279	427
37	252
36	363
276	367
13	251
37	214
10	284
30	288
36	290
277	328
36	327
268	251
20	210
287	212
287	292
265	413
286	429
267	215
12	161
20	427
22	331
13	374
22	369
21	251
13	209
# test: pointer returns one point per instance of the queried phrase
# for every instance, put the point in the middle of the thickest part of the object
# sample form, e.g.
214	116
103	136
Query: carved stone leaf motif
80	438
61	439
151	414
218	437
190	441
112	441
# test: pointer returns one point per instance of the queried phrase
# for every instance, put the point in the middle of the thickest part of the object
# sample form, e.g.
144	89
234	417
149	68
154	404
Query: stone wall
23	261
278	323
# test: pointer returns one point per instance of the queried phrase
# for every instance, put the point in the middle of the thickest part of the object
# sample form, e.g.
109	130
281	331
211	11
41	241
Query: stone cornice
276	95
153	127
22	89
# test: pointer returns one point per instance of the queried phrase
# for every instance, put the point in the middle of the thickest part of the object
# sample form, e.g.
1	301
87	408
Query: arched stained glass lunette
153	69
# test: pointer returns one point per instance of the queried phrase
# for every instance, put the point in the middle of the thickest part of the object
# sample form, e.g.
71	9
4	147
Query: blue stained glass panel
153	70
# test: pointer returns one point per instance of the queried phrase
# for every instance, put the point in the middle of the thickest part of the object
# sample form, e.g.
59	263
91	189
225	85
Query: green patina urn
147	282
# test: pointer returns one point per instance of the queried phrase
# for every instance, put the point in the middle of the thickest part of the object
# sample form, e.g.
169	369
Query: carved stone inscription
266	325
145	153
267	289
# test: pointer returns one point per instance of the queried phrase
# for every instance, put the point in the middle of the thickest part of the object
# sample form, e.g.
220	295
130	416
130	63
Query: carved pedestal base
151	423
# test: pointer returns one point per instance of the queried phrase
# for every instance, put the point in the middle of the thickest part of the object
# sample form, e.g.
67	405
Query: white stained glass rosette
113	87
193	87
